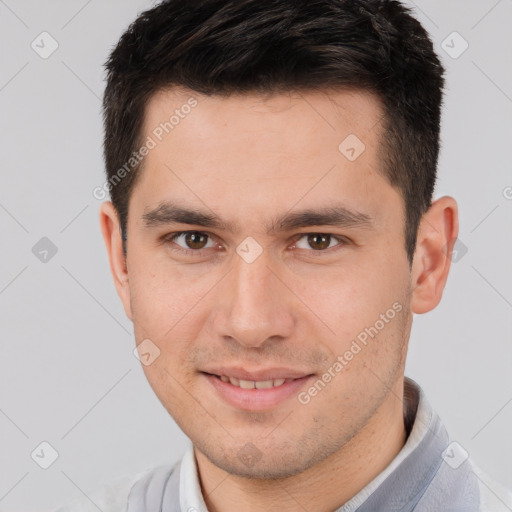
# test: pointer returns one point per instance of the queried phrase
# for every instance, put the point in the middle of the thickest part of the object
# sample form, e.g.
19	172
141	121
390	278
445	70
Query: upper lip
257	375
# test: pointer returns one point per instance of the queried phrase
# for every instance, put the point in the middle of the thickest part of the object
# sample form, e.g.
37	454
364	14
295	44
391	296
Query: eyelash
342	241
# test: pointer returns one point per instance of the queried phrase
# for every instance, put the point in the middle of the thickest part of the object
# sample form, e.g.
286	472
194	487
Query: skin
250	159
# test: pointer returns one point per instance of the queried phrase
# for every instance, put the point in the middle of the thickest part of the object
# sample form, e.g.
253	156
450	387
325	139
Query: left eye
319	241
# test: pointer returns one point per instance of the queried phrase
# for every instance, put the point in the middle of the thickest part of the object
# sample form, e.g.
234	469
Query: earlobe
437	234
110	228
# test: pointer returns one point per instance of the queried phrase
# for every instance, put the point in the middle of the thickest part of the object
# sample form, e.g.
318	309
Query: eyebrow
169	212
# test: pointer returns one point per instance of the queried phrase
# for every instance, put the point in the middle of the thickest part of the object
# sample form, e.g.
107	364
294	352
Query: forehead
334	110
260	150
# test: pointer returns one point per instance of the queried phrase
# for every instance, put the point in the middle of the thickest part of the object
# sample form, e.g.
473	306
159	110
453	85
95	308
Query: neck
325	486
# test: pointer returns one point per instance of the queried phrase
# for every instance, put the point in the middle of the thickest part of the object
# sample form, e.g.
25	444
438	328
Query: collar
417	479
422	427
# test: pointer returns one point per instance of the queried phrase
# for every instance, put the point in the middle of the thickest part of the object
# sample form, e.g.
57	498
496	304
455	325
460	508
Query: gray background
67	372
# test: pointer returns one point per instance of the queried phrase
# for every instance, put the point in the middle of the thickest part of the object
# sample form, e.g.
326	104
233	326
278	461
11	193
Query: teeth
264	384
250	384
246	384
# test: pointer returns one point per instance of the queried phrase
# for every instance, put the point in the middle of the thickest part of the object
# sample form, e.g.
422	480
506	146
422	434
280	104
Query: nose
254	305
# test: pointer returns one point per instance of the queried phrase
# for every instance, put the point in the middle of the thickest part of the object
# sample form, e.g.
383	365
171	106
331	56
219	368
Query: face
289	264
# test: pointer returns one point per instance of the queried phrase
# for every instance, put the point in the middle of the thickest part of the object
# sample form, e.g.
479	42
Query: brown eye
189	241
195	240
319	241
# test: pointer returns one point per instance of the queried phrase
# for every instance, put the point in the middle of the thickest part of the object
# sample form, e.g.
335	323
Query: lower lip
256	399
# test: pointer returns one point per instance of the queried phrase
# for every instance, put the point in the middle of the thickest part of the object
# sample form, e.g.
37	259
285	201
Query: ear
111	230
437	233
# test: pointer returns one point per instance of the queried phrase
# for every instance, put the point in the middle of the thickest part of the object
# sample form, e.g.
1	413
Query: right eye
193	241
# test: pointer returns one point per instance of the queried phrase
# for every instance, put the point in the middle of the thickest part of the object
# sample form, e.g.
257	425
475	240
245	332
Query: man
271	233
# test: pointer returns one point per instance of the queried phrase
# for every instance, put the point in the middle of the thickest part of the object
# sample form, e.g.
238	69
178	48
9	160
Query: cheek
365	305
152	306
162	295
170	307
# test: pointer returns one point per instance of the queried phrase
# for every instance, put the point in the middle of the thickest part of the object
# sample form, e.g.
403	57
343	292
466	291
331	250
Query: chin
261	462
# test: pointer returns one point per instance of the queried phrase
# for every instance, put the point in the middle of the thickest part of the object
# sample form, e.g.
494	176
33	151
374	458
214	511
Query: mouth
251	384
255	395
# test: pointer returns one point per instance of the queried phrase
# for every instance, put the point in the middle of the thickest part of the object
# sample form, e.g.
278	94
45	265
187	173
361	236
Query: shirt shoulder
112	497
494	497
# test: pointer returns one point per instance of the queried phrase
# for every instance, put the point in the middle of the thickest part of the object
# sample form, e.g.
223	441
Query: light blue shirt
431	473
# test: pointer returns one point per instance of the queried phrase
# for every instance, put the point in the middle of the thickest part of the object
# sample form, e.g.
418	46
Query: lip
257	375
255	399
